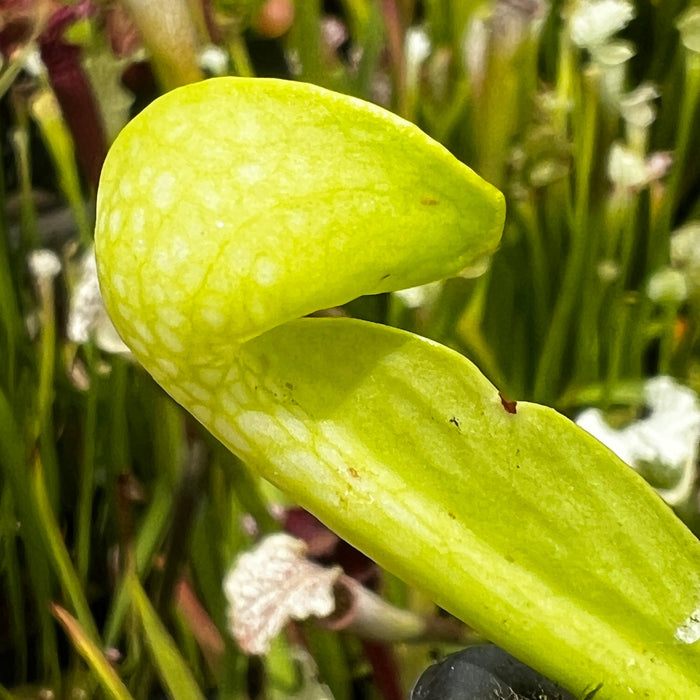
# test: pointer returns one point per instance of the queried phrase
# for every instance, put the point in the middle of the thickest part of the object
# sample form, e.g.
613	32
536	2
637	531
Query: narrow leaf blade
171	667
92	655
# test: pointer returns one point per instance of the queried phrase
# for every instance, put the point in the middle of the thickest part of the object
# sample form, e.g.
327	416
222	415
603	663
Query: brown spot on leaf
510	406
429	201
353	472
455	422
452	515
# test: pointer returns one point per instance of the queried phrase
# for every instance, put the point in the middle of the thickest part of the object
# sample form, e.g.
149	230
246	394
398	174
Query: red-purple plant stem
384	669
395	37
73	91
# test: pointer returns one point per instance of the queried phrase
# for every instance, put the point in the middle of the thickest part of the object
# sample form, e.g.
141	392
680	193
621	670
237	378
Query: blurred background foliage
119	516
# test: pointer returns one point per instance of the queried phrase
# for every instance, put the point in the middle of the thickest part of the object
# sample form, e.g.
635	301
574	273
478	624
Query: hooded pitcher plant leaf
227	210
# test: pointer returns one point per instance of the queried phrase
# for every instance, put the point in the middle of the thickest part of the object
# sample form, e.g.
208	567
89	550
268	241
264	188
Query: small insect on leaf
510	406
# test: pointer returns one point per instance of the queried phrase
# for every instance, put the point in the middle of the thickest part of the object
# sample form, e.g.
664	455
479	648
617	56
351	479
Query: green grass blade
95	659
171	667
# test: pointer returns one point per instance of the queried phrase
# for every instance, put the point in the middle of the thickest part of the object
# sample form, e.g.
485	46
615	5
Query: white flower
658	164
689	26
475	46
417	50
213	59
87	315
334	33
627	169
614	53
668	437
637	107
44	264
685	252
272	584
608	271
424	294
667	286
593	22
33	63
417	46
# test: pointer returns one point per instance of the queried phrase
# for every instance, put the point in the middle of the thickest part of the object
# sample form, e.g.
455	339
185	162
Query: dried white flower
44	264
668	437
87	316
272	584
594	22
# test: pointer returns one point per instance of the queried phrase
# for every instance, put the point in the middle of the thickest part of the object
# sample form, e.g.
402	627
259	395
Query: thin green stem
93	656
150	537
45	392
87	473
173	43
13	463
119	433
687	124
59	143
240	57
666	339
9	306
395	40
28	220
57	552
168	438
548	376
525	215
12	571
186	502
618	335
305	39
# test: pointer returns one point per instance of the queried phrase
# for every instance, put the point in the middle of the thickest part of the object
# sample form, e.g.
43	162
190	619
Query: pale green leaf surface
229	208
239	204
521	524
